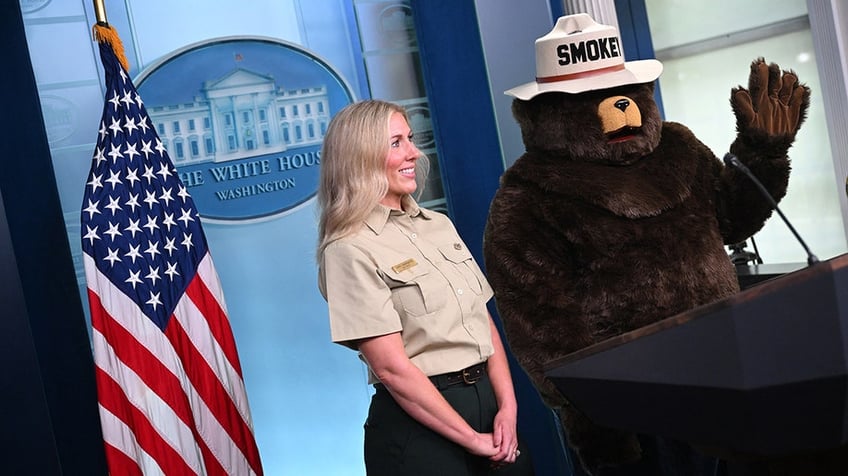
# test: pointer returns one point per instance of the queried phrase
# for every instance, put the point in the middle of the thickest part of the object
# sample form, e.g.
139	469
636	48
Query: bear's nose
622	104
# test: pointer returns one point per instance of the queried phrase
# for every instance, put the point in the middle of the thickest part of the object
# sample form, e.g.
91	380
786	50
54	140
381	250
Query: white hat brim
634	72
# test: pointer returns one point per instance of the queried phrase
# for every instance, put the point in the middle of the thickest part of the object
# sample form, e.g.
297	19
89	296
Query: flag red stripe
113	399
121	463
194	321
219	326
209	388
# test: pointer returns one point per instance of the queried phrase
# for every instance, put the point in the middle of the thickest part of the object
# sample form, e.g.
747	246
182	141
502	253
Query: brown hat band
583	74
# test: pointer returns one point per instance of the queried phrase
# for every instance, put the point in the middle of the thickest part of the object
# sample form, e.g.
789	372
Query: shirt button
459	291
457	246
414	236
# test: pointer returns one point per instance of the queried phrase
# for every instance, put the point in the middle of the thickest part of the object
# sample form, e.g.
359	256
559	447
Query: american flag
169	382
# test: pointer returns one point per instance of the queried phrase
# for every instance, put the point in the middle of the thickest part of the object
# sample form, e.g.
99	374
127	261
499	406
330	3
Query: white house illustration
243	114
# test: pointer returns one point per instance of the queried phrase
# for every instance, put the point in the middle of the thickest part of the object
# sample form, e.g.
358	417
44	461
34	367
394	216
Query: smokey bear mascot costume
613	219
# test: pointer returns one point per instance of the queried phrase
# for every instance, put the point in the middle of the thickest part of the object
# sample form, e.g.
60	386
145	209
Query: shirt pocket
462	261
416	292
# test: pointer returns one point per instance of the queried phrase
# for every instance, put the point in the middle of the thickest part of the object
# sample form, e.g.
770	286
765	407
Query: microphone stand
741	256
756	251
733	161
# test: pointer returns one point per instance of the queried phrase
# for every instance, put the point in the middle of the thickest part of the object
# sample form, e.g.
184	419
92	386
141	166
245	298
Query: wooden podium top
753	274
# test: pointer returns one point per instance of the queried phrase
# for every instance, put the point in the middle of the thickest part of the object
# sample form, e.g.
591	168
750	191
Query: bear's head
587	103
615	126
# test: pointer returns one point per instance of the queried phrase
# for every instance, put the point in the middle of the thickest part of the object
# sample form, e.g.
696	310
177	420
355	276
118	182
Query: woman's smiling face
400	162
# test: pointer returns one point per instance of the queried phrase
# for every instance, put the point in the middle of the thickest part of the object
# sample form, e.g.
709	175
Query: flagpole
100	12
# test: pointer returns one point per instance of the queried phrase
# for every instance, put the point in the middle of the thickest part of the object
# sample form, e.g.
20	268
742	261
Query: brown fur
588	239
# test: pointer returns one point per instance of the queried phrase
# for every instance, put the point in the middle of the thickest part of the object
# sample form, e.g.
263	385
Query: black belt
468	376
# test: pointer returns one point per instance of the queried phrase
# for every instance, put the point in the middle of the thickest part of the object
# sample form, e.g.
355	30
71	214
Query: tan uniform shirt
409	272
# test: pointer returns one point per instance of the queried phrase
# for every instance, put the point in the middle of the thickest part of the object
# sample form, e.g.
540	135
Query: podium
750	275
763	372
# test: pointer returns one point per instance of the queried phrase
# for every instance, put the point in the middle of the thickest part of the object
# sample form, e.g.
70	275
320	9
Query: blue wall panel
471	163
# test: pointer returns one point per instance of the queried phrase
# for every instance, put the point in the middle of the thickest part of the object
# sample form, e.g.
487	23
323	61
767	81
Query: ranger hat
581	55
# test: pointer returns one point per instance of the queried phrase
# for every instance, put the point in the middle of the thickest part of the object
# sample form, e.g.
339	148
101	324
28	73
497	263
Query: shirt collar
379	216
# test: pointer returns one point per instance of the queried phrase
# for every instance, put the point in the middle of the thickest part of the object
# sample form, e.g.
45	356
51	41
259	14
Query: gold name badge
403	266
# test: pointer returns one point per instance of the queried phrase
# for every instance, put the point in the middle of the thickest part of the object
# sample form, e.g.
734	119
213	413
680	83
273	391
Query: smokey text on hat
590	50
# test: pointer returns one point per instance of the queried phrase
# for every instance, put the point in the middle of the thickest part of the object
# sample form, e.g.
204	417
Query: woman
403	290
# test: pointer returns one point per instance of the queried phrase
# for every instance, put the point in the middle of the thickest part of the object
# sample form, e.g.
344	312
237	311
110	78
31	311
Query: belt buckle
468	378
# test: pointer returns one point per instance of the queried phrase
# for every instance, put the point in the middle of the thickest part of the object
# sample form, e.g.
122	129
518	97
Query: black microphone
732	161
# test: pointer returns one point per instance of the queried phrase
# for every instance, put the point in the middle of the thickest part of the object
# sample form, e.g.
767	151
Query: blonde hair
352	178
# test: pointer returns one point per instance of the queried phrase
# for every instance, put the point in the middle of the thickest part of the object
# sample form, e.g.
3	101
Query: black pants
397	445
